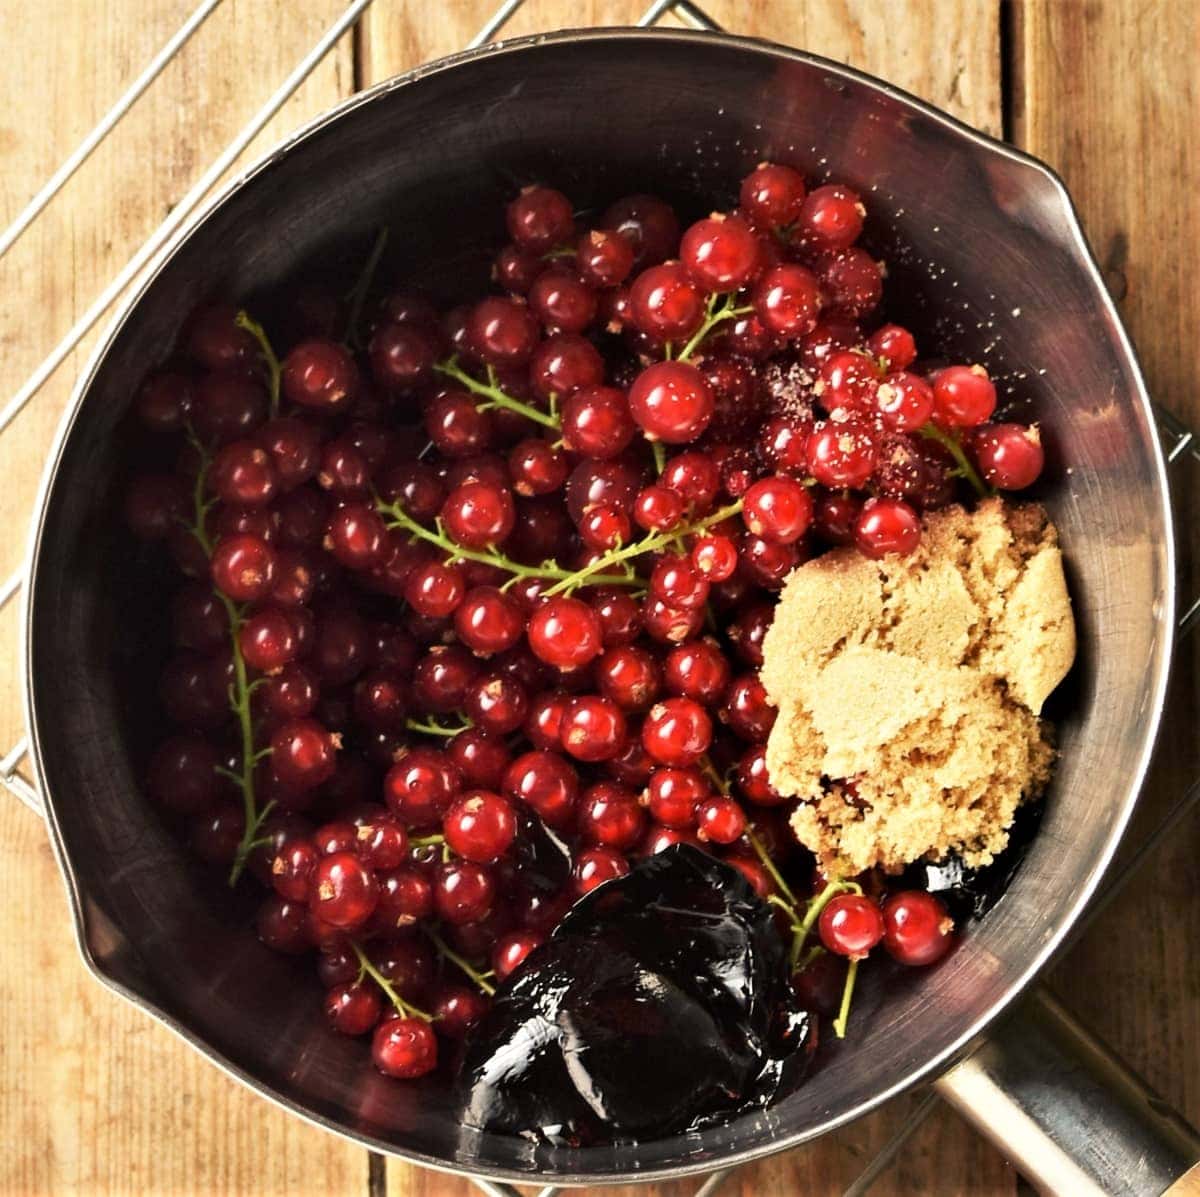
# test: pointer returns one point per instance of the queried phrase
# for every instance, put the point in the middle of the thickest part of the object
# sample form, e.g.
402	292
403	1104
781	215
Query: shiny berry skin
767	563
754	780
227	407
747	711
343	891
537	468
511	950
841	454
676	582
216	341
540	218
503	332
720	820
905	401
593	728
481	757
609	815
595	866
421	785
597	423
198	619
677	732
604	527
665	303
488	620
382	842
917	928
403	355
497	703
156	505
659	839
672	796
603	258
480	826
887	526
562	301
849	379
697	669
515	269
787	299
671	402
563	364
894	346
613	482
630	676
695	477
772	195
547	783
831	217
456	1009
463	892
778	509
619	614
669	624
853	282
435	589
747	631
303	754
291	869
544	720
353	1008
1009	456
283	925
243	473
356	536
714	556
963	397
720	253
648	224
819	984
457	428
319	374
268	639
850	925
565	632
658	508
243	567
405	1048
478	515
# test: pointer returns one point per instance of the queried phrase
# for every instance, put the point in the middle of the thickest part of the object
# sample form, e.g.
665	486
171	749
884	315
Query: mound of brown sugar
910	689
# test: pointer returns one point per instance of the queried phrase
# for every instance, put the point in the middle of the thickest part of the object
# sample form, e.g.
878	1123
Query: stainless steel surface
171	939
1180	447
1071	1117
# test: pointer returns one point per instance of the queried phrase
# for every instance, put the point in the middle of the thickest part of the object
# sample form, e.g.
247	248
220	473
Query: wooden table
97	1099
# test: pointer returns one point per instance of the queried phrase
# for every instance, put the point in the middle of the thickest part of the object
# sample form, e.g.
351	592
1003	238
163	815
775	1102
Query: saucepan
984	245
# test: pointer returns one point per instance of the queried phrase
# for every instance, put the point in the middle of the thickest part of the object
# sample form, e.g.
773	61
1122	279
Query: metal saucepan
981	238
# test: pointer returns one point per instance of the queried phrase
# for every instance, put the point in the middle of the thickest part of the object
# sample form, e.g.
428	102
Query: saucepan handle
1070	1116
15	784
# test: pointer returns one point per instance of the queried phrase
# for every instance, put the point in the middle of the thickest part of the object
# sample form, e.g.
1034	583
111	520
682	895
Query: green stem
358	296
426	841
256	330
769	865
494	395
397	517
648	544
710	771
660	456
839	1023
433	728
455	959
405	1008
932	432
712	318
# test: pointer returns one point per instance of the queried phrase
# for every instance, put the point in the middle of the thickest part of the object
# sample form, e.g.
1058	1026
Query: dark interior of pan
981	246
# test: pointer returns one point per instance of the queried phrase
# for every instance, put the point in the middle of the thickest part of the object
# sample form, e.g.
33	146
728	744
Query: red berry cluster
456	577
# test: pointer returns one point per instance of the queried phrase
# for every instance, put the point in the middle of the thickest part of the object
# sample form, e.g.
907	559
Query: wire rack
1181	446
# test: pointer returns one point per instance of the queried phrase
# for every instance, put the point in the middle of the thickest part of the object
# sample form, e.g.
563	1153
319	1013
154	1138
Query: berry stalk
358	295
720	307
366	968
494	395
962	462
479	979
242	688
256	330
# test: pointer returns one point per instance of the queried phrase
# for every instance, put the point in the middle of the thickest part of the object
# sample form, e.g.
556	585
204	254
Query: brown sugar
910	689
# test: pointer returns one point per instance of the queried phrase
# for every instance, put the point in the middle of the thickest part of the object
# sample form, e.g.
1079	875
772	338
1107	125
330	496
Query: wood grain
95	1098
1107	94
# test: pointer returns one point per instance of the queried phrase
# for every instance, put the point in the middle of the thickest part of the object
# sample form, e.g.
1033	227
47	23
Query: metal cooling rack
1181	445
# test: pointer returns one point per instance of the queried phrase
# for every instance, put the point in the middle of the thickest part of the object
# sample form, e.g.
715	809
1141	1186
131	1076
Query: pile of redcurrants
517	561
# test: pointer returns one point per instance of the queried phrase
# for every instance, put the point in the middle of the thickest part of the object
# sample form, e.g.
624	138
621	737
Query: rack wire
1181	445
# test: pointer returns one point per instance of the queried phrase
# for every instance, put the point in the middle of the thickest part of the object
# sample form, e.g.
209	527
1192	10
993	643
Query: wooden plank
96	1098
1107	94
963	75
